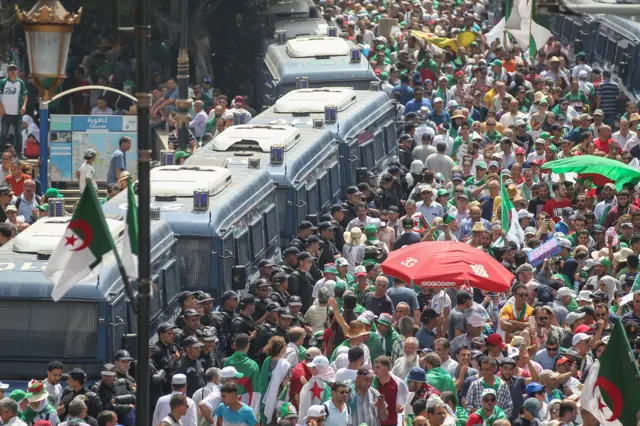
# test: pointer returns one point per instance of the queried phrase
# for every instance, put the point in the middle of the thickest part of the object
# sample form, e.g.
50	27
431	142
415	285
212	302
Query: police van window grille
242	248
302	208
133	318
281	199
257	238
354	163
57	330
366	155
334	177
270	222
25	370
118	314
557	24
324	189
156	300
378	146
390	137
194	261
312	196
228	260
171	288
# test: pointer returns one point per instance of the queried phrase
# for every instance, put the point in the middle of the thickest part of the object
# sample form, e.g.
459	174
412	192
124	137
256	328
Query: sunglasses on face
552	349
491	400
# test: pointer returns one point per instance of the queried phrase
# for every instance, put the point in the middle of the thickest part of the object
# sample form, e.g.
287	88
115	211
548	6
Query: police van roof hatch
45	234
314	100
181	181
312	47
256	137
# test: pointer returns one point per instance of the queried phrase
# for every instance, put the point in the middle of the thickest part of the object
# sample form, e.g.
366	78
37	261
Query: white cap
532	285
319	360
436	100
230	373
564	243
582	74
522	213
579	338
179	379
476	320
564	291
488	391
315	411
513	352
584	296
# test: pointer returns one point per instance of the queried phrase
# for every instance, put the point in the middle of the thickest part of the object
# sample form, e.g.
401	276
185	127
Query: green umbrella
599	169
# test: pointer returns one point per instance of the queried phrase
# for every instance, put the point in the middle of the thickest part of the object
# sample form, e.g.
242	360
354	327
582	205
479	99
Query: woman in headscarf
31	137
608	284
569	274
318	389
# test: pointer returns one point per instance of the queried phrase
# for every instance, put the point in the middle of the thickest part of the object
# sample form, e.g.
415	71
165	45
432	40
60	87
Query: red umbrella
447	264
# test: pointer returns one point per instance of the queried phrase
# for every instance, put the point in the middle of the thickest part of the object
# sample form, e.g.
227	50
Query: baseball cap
184	295
265	264
326	225
530	230
89	153
534	387
352	190
295	301
315	411
11	208
228	295
533	406
193	342
76	374
108	370
305	224
291	250
285	313
495	340
191	313
123	355
247	299
230	373
319	360
208	334
305	255
573	316
579	337
476	320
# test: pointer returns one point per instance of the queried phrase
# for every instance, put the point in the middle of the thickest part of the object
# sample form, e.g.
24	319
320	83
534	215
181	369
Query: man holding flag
248	384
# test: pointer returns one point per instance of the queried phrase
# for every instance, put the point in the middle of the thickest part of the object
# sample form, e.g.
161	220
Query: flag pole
532	59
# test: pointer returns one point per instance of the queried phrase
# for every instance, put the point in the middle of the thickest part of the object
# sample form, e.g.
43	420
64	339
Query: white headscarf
341	361
325	373
611	285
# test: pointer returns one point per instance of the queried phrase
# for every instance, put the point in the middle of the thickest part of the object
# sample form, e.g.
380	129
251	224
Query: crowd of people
325	337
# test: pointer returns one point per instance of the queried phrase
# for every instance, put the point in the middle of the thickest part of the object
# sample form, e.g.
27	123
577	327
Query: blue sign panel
83	123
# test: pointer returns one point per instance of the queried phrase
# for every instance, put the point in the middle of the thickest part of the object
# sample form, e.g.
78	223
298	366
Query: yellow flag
440	42
466	38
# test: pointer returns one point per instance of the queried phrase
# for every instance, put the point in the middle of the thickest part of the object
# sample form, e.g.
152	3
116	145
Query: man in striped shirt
608	94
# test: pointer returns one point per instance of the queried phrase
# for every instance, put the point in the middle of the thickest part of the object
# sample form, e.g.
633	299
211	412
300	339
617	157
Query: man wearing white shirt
427	207
512	117
356	360
212	376
200	120
625	137
101	108
163	407
209	405
337	408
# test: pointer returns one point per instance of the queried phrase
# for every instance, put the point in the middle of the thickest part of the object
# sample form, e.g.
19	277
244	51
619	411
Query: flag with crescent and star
314	392
86	240
611	391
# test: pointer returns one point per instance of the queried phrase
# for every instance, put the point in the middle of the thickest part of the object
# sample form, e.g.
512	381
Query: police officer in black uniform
206	303
265	331
190	365
305	230
300	282
280	295
209	338
223	317
404	151
337	216
112	394
261	300
164	353
328	250
187	300
354	196
295	304
243	322
388	196
289	260
76	379
191	326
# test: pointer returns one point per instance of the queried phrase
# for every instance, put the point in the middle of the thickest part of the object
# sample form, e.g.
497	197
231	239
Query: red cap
536	162
582	329
496	340
563	360
238	99
377	71
459	74
520	150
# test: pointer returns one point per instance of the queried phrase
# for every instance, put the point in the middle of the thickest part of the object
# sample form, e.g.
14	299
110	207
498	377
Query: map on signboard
104	144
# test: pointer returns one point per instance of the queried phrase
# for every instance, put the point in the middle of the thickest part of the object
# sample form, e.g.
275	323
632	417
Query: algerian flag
612	387
248	385
130	245
509	217
314	392
533	48
84	243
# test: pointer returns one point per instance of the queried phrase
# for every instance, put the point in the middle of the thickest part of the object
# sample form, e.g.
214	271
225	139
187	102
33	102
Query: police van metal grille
334	175
390	137
170	280
367	157
228	260
300	201
257	237
44	328
378	146
324	189
312	194
243	253
133	318
118	310
270	220
281	200
194	259
156	300
354	163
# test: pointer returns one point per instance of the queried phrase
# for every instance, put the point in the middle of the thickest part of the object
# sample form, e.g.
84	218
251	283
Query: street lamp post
183	103
47	28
